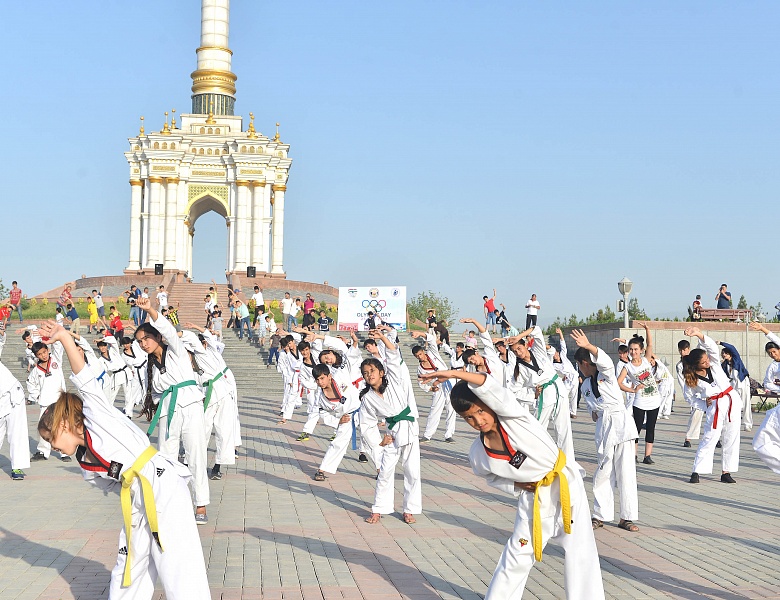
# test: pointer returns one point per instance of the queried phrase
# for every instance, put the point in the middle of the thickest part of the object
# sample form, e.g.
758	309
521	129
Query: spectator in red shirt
115	324
490	311
308	304
64	298
16	300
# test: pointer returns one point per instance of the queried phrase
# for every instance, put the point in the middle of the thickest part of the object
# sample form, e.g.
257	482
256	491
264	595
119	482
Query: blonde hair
68	409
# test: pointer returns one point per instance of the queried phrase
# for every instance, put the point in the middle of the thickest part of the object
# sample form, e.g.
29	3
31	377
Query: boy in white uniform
13	422
44	384
515	454
117	372
430	360
566	372
615	435
341	400
162	298
289	366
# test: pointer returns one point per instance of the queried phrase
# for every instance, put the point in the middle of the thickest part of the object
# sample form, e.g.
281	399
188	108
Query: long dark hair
381	368
691	365
149	407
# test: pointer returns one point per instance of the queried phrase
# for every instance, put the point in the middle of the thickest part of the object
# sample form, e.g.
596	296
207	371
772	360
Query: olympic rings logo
375	305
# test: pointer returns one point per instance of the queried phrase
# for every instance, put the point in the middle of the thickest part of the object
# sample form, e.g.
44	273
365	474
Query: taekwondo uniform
440	401
346	402
136	381
159	537
179	402
289	366
45	383
740	381
766	442
455	361
219	404
665	388
694	420
568	374
398	408
723	414
615	435
551	405
557	511
117	374
13	419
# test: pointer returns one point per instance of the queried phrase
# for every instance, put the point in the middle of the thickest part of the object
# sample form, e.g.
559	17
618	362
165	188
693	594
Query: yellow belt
557	471
127	510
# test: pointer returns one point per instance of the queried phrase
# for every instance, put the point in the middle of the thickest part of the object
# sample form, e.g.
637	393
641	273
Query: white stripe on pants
440	401
189	427
582	572
694	424
561	421
180	567
727	431
14	424
617	471
385	490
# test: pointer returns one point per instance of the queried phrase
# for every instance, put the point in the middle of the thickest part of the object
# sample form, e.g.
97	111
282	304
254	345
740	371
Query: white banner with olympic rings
389	302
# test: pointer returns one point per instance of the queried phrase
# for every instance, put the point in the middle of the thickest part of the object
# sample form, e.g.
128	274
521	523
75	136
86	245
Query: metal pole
625	311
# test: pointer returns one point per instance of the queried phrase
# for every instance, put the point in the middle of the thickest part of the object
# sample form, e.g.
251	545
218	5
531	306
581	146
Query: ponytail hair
691	365
638	340
381	368
149	407
68	408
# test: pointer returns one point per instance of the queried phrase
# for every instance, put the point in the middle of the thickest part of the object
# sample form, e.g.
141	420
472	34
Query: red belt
717	397
357	381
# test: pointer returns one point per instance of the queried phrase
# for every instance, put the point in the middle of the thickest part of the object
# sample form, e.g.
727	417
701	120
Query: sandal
409	518
281	421
628	525
596	523
319	476
373	518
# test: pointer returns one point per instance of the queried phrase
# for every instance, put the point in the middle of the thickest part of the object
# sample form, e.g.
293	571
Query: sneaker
333	437
304	437
571	416
727	478
201	519
687	444
648	460
425	440
665	417
694	478
65	458
38	456
719	445
362	457
449	440
215	476
17	474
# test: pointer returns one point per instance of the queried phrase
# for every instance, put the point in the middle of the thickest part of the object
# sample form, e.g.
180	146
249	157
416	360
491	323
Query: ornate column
242	209
266	228
171	200
258	231
156	210
181	226
136	186
146	218
278	230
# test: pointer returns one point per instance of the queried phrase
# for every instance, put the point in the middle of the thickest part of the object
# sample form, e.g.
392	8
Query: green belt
404	415
541	395
174	392
210	388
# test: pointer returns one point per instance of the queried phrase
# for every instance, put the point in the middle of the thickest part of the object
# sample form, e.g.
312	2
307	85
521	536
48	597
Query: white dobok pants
188	426
385	490
617	471
726	429
14	425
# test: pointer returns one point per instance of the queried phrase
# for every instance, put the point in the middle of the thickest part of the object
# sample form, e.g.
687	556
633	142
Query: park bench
724	314
765	396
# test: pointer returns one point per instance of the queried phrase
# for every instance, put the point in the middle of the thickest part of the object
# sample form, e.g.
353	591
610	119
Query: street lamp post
624	287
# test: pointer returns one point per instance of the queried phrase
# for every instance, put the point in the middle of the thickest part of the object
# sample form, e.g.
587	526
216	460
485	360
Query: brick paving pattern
274	533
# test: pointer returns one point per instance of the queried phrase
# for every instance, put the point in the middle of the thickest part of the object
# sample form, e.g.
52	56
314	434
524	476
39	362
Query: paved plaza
275	533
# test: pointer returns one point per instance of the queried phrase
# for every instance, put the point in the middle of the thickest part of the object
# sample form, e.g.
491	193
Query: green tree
635	313
742	304
418	306
4	292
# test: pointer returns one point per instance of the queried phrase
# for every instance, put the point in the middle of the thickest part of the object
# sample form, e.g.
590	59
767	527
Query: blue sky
454	146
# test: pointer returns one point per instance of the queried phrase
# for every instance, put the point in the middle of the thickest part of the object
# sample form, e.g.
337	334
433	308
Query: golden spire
276	137
252	133
210	120
141	132
173	119
166	130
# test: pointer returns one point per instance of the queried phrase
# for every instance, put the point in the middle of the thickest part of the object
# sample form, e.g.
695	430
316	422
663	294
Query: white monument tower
208	162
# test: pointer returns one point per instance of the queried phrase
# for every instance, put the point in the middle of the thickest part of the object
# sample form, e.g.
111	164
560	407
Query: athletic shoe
333	437
362	457
65	458
425	440
571	416
727	478
665	417
201	519
687	444
694	478
215	475
17	474
648	460
38	456
304	437
719	445
449	440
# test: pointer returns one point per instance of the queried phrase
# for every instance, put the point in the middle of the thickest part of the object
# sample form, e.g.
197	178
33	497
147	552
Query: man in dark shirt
324	321
723	297
431	318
